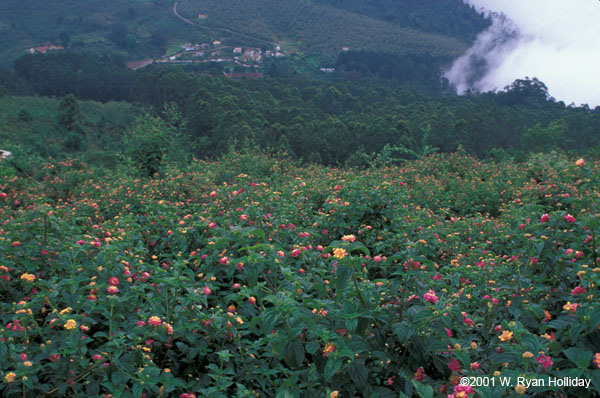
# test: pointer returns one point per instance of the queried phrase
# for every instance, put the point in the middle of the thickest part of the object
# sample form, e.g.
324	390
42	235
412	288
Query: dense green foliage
143	28
135	28
386	90
101	78
253	277
308	26
30	127
303	117
446	17
415	72
130	268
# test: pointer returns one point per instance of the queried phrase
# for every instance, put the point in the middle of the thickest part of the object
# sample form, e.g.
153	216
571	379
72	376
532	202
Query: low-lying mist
556	41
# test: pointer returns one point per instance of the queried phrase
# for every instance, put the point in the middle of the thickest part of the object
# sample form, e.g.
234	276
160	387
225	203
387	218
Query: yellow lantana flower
339	253
70	324
506	335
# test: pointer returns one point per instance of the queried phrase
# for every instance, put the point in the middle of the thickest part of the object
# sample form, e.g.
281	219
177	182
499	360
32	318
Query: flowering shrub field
289	281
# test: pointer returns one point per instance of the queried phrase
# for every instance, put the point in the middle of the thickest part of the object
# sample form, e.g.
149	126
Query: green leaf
351	324
558	324
257	232
93	389
579	357
595	378
358	374
422	315
119	378
363	324
261	246
269	318
137	389
312	347
62	389
331	368
463	357
595	319
360	247
537	311
403	330
382	392
358	345
456	280
342	276
491	392
192	353
182	346
284	393
505	357
424	390
293	354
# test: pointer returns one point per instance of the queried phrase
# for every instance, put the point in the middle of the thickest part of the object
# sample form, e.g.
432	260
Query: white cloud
557	41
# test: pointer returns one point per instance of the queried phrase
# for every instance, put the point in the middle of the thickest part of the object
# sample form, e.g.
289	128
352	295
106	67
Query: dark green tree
25	116
118	34
65	38
69	113
148	144
543	139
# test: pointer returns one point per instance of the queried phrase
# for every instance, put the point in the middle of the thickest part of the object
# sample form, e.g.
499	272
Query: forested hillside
44	127
384	93
144	28
308	26
133	28
446	17
304	117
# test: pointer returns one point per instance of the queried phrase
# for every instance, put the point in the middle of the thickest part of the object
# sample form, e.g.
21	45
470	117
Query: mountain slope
32	124
138	29
133	28
452	18
308	26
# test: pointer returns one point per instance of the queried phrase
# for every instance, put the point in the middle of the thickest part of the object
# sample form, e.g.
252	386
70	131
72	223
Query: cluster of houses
217	51
198	47
246	57
256	54
44	49
248	54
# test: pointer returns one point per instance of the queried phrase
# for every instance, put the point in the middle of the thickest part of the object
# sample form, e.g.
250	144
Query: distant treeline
447	17
417	72
87	76
328	122
324	27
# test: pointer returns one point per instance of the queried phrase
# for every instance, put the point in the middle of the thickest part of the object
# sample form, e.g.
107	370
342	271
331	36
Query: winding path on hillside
184	19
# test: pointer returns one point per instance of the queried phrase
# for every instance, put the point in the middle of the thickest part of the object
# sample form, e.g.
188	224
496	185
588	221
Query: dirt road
219	28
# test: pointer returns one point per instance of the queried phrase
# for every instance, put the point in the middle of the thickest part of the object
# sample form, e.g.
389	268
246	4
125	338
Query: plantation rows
254	277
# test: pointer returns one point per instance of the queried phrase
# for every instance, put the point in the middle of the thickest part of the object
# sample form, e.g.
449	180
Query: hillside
446	17
307	26
32	125
142	28
304	117
134	28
